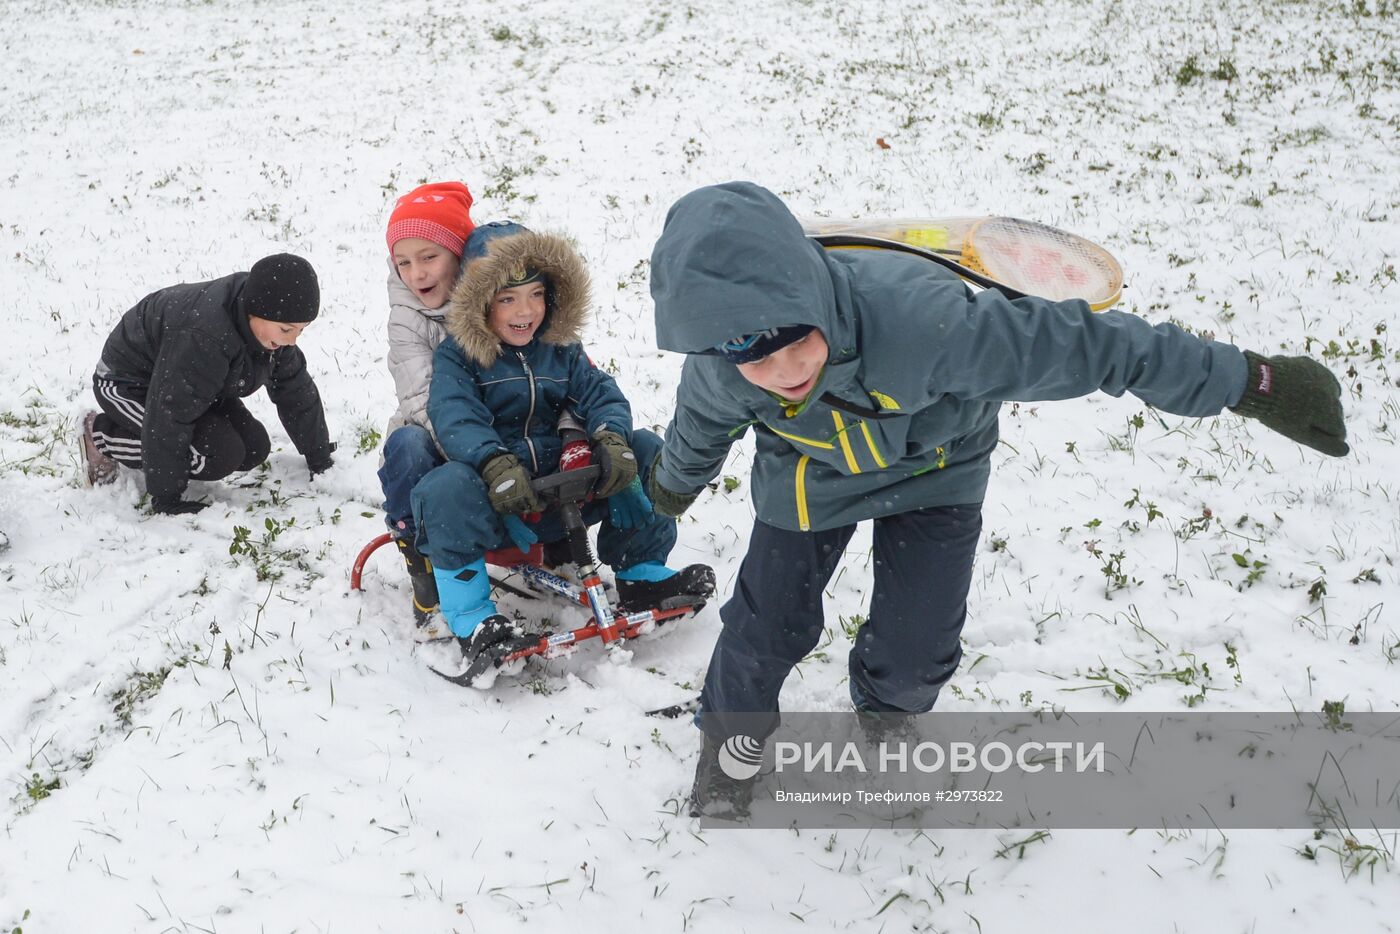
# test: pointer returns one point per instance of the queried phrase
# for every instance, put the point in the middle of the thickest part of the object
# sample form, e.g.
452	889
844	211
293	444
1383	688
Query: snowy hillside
194	740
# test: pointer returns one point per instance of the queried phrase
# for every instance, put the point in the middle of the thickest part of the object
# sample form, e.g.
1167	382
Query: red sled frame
606	624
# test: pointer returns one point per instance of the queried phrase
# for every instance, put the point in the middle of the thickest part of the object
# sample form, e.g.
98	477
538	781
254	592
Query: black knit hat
282	288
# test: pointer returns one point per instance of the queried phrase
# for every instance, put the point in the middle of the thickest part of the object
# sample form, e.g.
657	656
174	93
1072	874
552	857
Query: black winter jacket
188	346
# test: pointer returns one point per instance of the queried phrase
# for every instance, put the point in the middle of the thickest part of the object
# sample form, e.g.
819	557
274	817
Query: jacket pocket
858	444
810	442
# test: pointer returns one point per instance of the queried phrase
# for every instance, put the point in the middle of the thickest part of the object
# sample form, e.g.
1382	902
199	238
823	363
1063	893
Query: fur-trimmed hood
567	292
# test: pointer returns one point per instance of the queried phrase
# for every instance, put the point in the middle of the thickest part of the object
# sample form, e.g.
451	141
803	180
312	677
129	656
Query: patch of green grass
140	687
367	439
269	561
850	625
37	788
1189	71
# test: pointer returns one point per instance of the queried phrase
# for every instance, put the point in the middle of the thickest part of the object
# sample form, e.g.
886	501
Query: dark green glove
1297	397
508	485
664	501
616	461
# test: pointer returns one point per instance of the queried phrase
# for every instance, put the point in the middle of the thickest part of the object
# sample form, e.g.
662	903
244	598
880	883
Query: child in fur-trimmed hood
511	368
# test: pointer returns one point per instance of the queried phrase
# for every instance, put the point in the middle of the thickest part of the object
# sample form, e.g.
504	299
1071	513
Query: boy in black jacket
174	371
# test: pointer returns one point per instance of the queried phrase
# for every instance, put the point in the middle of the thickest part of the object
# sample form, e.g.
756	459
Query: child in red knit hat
427	230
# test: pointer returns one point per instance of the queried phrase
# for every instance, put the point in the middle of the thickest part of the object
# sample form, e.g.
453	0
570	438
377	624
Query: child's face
792	371
274	334
427	268
516	313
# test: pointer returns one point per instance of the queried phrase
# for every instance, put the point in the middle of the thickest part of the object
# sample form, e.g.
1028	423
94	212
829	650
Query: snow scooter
562	492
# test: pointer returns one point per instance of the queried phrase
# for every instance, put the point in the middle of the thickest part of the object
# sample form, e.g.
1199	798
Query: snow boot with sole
652	586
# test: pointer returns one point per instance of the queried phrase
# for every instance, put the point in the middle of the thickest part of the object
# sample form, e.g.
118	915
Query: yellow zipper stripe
824	445
804	522
870	442
845	442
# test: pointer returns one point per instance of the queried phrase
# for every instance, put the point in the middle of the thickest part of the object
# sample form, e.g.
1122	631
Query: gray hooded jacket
414	334
904	414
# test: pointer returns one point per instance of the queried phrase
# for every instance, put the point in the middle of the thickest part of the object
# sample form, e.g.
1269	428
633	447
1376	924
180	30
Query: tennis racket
1016	257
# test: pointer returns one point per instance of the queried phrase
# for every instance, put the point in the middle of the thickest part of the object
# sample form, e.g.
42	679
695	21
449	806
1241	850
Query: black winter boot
420	573
716	794
886	728
491	641
557	554
687	587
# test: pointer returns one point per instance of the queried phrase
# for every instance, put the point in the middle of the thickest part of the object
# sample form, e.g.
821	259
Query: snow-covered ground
197	741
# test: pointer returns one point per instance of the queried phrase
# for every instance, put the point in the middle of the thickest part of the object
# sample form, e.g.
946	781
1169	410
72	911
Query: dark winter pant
907	649
226	439
409	455
456	524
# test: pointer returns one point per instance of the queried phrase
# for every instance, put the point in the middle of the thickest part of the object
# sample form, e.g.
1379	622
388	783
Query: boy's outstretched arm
1031	349
705	425
1297	397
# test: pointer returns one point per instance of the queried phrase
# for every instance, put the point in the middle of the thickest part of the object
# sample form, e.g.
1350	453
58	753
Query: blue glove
629	508
521	535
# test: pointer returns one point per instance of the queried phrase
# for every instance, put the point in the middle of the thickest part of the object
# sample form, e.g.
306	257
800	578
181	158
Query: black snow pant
909	646
226	439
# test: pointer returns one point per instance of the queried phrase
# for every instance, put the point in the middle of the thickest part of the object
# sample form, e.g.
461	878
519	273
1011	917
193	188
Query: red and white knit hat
440	212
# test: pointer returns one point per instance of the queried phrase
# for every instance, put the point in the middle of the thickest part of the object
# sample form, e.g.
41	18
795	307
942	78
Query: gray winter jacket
414	334
904	414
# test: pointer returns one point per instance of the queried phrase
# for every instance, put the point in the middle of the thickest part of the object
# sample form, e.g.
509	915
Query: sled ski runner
676	711
553	645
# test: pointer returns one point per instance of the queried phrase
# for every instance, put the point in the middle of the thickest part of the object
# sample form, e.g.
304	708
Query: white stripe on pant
128	450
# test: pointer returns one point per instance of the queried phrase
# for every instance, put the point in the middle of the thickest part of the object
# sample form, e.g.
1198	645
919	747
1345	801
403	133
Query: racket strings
1043	261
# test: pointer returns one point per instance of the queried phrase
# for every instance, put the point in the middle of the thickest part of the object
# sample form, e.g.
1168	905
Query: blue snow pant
409	454
907	649
456	524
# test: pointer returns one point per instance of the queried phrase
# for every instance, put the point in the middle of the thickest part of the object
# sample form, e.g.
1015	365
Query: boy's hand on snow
618	463
664	501
177	507
630	508
321	464
508	485
1297	397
